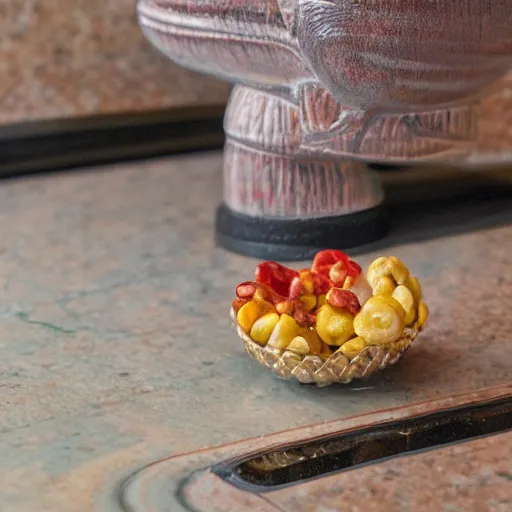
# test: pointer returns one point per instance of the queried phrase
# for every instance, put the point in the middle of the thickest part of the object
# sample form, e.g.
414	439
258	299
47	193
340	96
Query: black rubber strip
296	239
69	144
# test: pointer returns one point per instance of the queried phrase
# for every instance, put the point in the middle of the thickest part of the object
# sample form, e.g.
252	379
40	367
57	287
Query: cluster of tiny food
331	306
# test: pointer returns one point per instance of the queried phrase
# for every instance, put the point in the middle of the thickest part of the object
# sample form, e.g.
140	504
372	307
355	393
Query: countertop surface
116	348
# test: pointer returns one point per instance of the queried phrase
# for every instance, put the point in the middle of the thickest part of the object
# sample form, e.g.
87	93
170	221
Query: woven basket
311	369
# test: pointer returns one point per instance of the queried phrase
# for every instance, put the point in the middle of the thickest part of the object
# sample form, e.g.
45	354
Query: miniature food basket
329	324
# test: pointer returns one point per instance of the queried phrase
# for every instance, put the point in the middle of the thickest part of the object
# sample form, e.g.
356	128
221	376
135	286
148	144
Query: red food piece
336	266
338	273
324	260
296	289
302	316
343	299
245	291
353	269
276	276
322	283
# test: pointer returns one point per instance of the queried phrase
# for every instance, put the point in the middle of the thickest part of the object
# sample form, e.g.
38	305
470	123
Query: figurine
324	87
329	323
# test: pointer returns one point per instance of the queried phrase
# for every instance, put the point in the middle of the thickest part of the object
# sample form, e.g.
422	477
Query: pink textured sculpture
326	85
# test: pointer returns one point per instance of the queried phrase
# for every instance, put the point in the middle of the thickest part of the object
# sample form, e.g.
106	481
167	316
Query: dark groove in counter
49	146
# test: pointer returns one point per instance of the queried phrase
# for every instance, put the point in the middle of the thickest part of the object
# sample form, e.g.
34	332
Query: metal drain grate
293	464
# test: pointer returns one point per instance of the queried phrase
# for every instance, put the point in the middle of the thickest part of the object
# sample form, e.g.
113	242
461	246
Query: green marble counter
116	348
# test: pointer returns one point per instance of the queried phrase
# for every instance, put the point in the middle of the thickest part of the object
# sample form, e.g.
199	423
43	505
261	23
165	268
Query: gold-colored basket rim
337	368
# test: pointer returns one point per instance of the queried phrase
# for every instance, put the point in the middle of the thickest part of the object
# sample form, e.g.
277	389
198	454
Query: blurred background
72	72
87	57
76	72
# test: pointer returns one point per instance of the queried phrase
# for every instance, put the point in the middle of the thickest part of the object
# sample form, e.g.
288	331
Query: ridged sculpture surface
323	85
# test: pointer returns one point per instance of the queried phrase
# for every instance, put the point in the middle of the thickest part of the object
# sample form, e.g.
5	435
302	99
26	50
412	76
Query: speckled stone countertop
116	348
61	59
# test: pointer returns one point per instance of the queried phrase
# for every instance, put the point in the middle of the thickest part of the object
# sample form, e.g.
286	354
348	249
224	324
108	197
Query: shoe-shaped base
295	239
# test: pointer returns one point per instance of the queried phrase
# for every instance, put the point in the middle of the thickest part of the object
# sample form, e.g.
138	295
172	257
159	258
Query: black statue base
296	239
